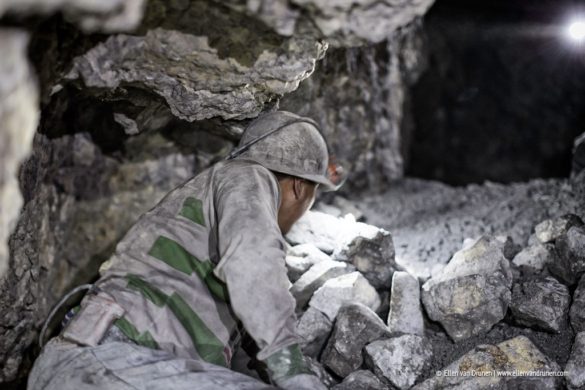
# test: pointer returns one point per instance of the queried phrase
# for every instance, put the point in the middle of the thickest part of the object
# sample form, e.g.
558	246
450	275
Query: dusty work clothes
127	366
208	256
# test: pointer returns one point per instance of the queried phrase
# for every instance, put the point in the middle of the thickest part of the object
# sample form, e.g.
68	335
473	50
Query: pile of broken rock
369	324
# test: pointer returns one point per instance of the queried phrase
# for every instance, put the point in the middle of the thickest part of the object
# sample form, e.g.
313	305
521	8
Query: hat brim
327	185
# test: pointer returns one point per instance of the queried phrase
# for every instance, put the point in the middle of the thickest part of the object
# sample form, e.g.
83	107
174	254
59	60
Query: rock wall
360	97
19	117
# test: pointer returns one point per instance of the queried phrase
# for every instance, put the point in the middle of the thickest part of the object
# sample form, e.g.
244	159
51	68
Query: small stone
551	229
302	257
541	303
405	314
308	251
361	380
315	277
350	288
518	354
400	360
472	292
373	257
295	267
314	328
577	312
575	367
570	248
356	326
536	257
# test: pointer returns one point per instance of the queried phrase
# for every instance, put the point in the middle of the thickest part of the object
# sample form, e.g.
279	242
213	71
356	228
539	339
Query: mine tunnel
138	228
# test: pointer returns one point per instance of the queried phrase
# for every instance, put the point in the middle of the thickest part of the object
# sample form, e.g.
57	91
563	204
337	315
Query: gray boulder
535	257
472	292
373	256
342	23
551	229
575	367
541	303
350	288
474	370
314	328
399	360
203	82
570	264
315	277
356	326
361	380
577	313
405	314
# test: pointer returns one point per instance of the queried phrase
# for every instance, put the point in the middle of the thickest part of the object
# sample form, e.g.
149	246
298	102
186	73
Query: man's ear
298	187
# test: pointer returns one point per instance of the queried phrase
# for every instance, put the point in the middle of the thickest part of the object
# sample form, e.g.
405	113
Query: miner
195	273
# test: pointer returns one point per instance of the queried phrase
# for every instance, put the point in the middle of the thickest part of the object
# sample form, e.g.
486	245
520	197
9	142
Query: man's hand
289	370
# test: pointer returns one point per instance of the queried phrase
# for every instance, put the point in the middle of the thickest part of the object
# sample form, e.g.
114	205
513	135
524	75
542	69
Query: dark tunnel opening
503	96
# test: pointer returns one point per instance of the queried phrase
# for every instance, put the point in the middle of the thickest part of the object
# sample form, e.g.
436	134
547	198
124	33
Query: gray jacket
209	256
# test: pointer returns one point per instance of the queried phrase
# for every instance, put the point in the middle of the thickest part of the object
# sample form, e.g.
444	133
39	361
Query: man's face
297	196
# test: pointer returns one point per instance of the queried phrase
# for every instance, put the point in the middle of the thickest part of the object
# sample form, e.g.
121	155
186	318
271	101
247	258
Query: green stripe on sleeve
173	254
193	210
145	338
208	346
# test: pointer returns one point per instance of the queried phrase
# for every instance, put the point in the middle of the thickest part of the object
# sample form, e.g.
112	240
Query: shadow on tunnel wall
503	96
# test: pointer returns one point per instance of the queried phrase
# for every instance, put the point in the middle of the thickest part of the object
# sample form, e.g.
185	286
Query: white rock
296	266
302	257
309	251
327	232
350	288
315	277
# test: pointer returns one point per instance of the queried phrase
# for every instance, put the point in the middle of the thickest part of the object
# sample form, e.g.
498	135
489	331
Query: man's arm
252	265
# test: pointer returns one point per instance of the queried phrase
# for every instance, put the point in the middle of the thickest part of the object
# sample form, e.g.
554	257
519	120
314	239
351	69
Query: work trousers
117	365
